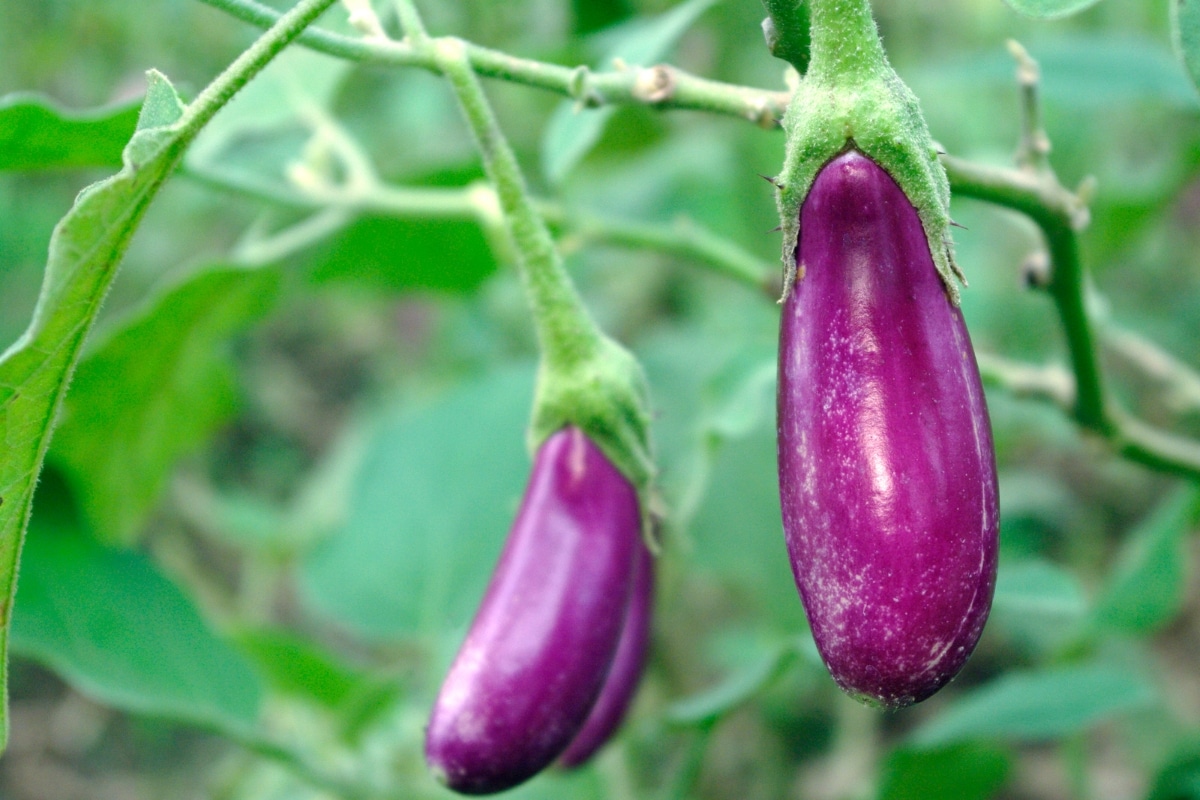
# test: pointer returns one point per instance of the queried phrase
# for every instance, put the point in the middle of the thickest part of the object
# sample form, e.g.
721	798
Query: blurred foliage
280	482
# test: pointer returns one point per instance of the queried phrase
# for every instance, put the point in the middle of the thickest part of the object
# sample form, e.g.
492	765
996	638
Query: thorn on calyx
776	229
959	225
773	181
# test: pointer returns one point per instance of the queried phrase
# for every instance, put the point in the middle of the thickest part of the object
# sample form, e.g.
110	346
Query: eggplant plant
456	423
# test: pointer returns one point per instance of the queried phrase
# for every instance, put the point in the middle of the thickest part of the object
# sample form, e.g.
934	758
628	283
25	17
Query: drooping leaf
1037	705
962	772
434	498
1146	588
1185	30
573	131
85	249
119	631
37	133
1049	9
152	390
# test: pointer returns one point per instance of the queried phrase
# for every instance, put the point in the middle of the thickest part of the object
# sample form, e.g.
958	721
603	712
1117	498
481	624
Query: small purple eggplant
536	656
887	471
626	672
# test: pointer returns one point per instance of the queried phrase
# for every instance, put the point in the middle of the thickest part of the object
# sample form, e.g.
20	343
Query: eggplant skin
537	654
887	470
626	672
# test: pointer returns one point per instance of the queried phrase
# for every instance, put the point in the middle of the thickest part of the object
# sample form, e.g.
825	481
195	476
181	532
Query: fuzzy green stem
565	330
683	237
787	31
1056	211
286	28
845	42
673	88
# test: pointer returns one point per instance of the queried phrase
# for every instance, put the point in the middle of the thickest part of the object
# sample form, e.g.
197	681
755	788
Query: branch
1058	213
787	32
1033	190
683	238
660	86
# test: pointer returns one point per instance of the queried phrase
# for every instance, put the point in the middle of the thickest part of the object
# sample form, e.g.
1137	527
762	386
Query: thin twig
638	84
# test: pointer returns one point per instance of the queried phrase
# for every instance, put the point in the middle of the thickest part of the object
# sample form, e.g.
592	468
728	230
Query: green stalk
566	332
845	42
585	379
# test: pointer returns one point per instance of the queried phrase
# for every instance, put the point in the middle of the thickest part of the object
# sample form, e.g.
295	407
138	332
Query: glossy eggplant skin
626	672
537	653
886	465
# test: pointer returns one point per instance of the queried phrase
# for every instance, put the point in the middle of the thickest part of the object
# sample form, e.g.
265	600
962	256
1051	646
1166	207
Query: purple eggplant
536	656
887	471
626	672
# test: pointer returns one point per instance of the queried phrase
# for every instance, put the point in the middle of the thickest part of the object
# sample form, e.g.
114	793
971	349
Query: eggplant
623	678
887	472
538	651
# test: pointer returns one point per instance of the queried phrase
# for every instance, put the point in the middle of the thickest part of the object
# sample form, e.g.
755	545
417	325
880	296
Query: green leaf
961	772
298	667
1038	603
115	628
708	706
152	390
573	131
1049	9
37	133
433	500
385	253
1036	706
85	250
1185	30
1179	779
1146	588
737	531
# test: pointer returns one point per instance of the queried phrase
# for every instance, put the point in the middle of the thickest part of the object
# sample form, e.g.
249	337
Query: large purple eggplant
540	647
621	684
886	466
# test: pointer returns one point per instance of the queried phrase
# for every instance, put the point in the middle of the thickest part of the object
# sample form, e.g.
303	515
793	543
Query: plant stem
286	28
787	31
845	42
1056	211
683	237
566	332
630	85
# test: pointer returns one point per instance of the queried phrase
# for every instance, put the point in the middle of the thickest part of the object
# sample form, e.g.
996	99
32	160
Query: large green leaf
434	498
151	391
1146	588
1185	29
85	250
961	772
1049	9
573	131
118	630
1038	603
385	253
37	133
1039	705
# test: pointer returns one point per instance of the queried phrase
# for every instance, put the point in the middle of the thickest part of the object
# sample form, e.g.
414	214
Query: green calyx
603	392
850	97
